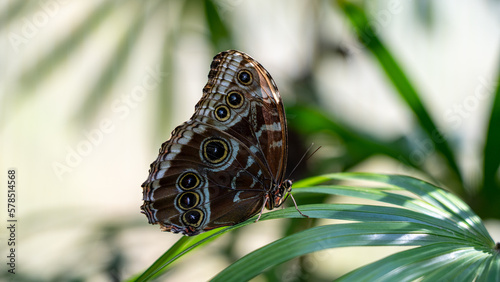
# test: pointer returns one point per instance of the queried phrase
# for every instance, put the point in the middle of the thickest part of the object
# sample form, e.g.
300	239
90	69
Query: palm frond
406	89
439	223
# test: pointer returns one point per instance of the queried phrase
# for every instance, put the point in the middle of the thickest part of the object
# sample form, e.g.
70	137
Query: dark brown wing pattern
228	161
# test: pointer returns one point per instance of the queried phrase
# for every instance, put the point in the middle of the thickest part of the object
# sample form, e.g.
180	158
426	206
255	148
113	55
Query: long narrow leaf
62	49
116	64
444	235
220	34
308	120
456	266
421	212
459	211
181	247
469	273
491	162
412	264
323	237
12	11
401	82
436	220
492	271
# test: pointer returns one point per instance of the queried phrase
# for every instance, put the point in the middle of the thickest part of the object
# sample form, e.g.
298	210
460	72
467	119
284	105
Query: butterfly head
281	193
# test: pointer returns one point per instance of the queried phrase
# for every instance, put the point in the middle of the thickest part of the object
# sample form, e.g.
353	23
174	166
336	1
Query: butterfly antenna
297	165
303	156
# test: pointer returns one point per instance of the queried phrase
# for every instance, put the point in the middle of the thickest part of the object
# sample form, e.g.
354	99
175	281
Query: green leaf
13	11
41	69
368	37
309	120
448	234
492	273
491	162
426	261
164	94
324	237
439	222
458	211
220	34
180	248
116	64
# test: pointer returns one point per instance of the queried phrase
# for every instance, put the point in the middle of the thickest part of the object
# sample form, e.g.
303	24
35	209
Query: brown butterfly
228	161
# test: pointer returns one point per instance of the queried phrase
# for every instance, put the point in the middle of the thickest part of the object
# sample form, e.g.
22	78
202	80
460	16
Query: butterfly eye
222	113
193	217
215	150
188	200
188	181
245	77
234	99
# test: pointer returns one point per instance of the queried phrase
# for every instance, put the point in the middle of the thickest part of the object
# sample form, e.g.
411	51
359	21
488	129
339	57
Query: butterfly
227	162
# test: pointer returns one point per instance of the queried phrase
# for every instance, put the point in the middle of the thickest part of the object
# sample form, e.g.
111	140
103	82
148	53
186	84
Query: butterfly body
228	161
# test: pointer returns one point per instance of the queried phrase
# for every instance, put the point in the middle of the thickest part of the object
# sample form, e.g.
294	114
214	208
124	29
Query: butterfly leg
263	206
296	207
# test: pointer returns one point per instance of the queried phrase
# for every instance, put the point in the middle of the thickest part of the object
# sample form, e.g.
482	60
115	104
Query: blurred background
90	90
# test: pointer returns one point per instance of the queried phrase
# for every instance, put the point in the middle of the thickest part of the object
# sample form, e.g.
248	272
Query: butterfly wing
216	168
262	119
